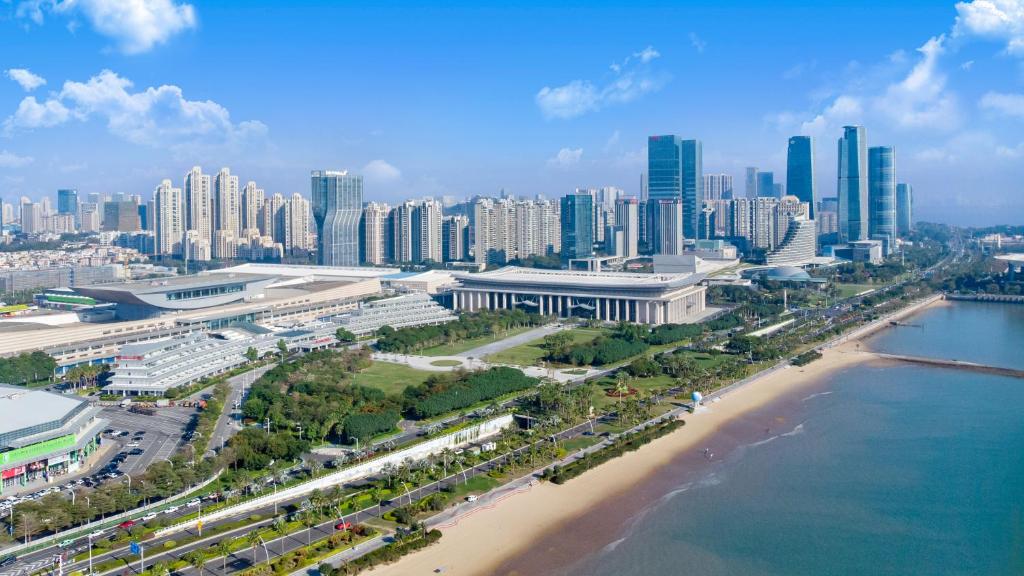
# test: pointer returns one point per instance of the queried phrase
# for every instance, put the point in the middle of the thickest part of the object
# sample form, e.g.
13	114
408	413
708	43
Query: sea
882	468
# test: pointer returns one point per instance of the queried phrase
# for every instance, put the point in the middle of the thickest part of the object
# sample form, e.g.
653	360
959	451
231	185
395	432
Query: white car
193	503
172	510
133	444
97	534
149	517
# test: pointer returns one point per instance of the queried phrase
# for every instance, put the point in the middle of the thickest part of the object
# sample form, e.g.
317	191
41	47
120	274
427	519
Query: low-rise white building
415	309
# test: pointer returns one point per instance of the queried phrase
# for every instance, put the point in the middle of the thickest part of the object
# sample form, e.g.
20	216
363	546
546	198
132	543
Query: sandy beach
480	541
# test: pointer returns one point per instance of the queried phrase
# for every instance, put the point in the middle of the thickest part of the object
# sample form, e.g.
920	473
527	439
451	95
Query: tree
253	539
196	560
224	549
280	528
309	520
251	354
26	524
344	335
282	347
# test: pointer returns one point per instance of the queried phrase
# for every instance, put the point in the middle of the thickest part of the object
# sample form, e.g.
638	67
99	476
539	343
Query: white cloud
612	141
381	172
12	160
632	79
135	25
1011	153
566	157
159	116
25	78
697	43
993	19
844	110
31	114
921	100
967	65
1005	104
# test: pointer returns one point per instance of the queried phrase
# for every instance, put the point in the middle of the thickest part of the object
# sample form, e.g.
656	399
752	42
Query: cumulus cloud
381	171
25	78
1005	104
566	157
843	110
12	160
697	43
136	25
632	78
159	116
993	19
921	100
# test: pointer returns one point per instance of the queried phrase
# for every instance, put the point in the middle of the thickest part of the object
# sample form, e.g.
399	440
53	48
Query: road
230	419
513	341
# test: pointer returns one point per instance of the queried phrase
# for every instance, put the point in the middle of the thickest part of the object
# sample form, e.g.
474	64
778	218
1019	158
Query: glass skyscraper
766	184
853	184
882	196
67	203
675	171
577	223
904	208
800	171
337	207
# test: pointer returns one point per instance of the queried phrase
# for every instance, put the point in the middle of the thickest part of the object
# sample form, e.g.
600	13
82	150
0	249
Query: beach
481	542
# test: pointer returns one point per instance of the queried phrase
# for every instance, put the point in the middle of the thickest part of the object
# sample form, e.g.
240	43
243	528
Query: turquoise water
888	469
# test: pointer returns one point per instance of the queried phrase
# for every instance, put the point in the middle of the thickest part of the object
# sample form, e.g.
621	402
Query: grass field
463	345
444	363
848	290
531	353
391	378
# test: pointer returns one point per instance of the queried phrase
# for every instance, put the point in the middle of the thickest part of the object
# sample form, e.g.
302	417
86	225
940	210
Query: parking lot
161	434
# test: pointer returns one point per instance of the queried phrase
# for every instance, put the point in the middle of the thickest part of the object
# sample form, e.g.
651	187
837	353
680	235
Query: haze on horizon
110	96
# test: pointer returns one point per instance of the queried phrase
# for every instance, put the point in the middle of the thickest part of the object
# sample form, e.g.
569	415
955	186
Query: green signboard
37	450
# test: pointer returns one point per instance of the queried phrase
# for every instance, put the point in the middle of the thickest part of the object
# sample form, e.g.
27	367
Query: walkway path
513	341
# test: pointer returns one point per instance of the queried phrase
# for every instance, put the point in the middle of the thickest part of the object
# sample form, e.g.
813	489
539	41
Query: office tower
121	216
904	208
453	238
89	217
693	186
828	223
717	187
426	231
853	184
31	217
751	183
252	203
373	230
577	226
800	170
169	220
337	206
67	203
198	207
766	185
227	200
829	204
298	215
145	220
627	217
882	197
668	216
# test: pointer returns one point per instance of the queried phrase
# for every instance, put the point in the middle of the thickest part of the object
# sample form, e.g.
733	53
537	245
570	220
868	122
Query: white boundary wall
416	452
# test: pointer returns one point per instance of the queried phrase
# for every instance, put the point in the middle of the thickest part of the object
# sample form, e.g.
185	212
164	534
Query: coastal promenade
956	364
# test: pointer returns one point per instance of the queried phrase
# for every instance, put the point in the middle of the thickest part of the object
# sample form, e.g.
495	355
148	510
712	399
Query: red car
126	524
343	526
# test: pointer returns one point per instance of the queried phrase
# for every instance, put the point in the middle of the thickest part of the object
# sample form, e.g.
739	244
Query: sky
474	97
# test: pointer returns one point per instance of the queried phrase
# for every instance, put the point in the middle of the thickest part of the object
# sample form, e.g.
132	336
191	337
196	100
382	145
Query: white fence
419	451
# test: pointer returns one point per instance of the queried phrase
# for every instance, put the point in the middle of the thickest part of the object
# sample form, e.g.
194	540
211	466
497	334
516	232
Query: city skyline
940	86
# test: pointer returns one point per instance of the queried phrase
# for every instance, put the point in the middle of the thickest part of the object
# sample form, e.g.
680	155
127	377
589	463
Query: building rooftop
517	275
21	408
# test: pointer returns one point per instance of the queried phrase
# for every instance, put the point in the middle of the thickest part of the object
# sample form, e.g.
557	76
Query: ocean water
881	469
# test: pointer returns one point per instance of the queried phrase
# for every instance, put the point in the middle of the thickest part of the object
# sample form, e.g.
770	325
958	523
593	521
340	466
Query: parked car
343	526
172	510
8	561
193	503
97	534
66	543
126	524
149	517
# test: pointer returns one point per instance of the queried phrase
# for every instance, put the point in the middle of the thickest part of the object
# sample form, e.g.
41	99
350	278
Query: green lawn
463	345
446	363
848	290
391	378
476	485
531	353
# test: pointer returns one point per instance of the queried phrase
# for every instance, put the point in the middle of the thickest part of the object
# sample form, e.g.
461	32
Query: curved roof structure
784	273
183	293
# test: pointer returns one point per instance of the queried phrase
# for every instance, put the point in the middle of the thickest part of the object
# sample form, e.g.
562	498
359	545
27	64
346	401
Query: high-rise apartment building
373	231
252	203
337	207
577	215
32	218
800	170
426	231
299	225
853	184
169	219
882	197
507	229
904	208
227	202
199	206
627	217
717	187
454	238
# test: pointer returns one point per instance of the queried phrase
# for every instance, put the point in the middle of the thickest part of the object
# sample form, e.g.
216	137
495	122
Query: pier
956	364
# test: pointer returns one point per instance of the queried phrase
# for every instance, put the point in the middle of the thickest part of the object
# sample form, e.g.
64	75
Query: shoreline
483	539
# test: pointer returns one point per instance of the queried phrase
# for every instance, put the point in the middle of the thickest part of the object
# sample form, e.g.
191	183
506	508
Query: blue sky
473	97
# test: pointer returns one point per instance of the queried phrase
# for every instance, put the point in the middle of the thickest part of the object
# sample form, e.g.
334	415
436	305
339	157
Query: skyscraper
337	206
627	217
426	231
577	226
800	170
67	203
675	170
373	232
904	208
882	196
198	206
751	182
693	186
853	184
668	217
454	238
297	210
766	184
252	202
169	222
717	187
227	200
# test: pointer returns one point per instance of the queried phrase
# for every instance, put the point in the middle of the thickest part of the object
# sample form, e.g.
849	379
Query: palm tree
377	495
196	560
309	520
253	539
224	548
161	568
280	528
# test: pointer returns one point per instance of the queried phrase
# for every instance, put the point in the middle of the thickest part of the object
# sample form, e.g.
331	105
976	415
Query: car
113	474
471	498
172	510
66	543
133	444
149	517
192	503
97	534
126	524
8	561
343	525
137	452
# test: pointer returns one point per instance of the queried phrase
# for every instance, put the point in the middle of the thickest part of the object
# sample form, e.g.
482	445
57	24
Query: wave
816	394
